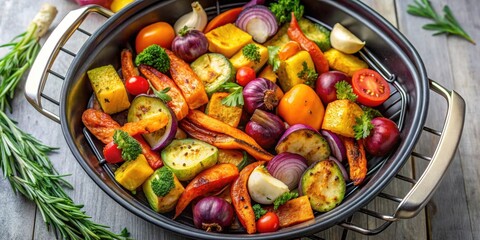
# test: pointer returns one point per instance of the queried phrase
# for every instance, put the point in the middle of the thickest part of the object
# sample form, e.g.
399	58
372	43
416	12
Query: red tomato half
137	85
268	223
245	75
371	89
112	154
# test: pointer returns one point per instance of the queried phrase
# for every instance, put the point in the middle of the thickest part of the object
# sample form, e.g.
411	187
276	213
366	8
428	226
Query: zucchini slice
324	185
214	70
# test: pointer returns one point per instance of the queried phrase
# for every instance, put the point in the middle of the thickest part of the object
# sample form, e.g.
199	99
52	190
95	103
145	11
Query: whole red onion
190	44
103	3
383	137
261	93
265	128
212	214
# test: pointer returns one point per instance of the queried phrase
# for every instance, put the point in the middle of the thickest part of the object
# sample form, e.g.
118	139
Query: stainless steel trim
40	70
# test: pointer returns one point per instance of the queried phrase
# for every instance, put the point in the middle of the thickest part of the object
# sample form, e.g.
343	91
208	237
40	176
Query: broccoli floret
154	56
130	147
283	8
163	183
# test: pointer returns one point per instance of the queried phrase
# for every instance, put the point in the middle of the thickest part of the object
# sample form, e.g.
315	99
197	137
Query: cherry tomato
268	223
371	89
301	105
160	33
245	75
137	85
112	154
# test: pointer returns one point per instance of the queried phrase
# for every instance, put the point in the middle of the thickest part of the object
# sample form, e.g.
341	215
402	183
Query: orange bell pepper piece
207	181
221	19
241	198
295	33
357	159
153	158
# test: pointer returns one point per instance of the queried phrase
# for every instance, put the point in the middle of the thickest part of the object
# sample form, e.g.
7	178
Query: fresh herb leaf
283	9
125	233
308	75
273	58
259	211
251	52
371	112
161	94
447	24
164	183
235	98
282	199
363	126
130	147
345	91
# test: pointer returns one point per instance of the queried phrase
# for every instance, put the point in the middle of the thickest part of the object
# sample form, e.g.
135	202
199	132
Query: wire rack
395	110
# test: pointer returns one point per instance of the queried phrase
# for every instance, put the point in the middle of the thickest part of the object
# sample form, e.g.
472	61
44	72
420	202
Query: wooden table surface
453	212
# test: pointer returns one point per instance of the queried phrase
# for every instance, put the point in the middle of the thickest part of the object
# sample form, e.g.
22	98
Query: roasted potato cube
109	89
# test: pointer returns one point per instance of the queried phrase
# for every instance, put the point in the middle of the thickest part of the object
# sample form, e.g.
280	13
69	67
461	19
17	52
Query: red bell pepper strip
295	33
153	158
209	180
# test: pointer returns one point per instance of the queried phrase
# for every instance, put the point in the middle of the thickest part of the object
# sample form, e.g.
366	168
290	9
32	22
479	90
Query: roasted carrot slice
357	160
128	68
147	125
153	158
223	18
100	124
187	81
210	180
223	141
161	81
241	198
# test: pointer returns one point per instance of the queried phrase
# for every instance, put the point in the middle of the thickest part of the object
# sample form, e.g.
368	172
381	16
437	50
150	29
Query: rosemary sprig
24	159
447	24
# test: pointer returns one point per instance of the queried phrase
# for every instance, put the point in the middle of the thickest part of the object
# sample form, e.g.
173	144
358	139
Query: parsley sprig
447	24
308	74
282	199
251	52
258	211
235	98
345	91
364	124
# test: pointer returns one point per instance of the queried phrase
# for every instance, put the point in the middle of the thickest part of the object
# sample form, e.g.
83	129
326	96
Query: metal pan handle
40	69
426	185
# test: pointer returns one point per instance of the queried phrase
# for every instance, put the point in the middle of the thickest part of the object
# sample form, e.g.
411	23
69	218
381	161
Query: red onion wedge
258	21
253	3
288	168
336	145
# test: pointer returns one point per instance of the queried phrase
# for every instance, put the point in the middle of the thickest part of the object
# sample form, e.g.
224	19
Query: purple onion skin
325	85
336	145
261	93
103	3
294	128
288	168
265	128
254	2
383	137
258	12
190	45
212	214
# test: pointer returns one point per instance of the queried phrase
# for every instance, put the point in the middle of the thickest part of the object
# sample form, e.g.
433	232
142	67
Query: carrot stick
357	160
128	68
153	158
228	16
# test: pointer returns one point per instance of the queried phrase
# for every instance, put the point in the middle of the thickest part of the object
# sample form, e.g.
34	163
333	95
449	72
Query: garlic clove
344	40
196	19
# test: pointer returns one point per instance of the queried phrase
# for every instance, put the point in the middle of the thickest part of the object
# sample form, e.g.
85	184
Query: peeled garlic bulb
344	40
196	19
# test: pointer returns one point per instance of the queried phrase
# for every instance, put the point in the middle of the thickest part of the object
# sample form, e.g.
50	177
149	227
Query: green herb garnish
345	91
442	25
235	98
273	58
282	199
259	211
283	9
308	75
154	56
129	146
161	94
163	182
363	126
251	52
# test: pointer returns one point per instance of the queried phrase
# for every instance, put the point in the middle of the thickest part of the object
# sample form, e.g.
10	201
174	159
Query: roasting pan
386	51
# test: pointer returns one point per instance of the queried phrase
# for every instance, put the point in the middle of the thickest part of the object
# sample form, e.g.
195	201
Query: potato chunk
109	89
227	39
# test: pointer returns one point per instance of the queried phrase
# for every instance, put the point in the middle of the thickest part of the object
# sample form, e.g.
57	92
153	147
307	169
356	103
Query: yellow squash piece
166	203
224	113
289	69
340	117
344	62
227	39
268	73
239	60
132	174
109	89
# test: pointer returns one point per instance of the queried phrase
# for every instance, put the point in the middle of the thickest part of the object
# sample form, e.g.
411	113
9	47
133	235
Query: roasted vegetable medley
252	117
